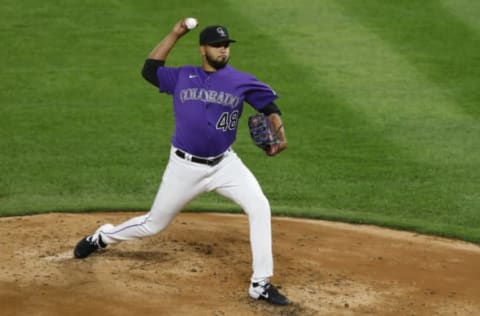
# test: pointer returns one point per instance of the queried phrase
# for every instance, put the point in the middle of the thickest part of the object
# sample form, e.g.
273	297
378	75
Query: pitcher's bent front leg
180	184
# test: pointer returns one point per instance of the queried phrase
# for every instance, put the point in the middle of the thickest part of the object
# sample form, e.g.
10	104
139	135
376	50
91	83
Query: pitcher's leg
180	184
260	238
235	181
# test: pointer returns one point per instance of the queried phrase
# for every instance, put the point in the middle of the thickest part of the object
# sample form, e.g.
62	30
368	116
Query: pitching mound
201	266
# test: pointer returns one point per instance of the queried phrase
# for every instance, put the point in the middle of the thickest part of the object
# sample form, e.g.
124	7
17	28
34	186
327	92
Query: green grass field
380	101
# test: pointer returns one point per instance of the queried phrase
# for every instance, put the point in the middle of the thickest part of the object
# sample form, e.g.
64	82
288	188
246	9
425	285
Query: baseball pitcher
208	102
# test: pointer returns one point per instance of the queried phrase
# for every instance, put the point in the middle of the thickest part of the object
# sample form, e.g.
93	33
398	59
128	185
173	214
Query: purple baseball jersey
208	106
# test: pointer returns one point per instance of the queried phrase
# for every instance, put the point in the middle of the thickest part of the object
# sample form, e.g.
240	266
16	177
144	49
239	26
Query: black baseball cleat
267	292
88	245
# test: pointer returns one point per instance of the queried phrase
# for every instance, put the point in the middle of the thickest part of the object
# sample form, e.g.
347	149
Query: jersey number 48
228	121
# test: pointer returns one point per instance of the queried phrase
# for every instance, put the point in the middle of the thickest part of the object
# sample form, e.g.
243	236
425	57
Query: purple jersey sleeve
259	94
167	79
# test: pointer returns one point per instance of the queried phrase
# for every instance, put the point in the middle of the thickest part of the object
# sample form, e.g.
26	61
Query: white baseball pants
184	180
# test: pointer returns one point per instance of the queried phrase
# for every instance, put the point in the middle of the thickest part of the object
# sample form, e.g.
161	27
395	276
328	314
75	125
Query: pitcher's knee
258	206
154	227
155	223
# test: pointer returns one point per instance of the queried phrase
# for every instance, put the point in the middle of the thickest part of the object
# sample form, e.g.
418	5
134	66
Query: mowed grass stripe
438	43
466	11
443	47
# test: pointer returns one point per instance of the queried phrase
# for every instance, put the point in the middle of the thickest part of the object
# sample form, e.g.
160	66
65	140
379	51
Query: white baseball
191	23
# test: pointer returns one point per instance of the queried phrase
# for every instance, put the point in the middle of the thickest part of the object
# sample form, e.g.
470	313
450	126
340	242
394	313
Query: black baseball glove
261	131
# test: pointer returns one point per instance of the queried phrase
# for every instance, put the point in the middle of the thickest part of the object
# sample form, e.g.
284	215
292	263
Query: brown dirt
200	265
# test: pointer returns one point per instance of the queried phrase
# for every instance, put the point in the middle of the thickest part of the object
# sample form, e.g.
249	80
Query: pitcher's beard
217	64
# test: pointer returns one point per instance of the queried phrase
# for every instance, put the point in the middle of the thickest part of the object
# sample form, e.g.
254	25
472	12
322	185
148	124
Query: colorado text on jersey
209	96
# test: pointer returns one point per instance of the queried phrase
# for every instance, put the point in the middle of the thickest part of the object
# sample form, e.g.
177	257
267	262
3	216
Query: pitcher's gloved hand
267	133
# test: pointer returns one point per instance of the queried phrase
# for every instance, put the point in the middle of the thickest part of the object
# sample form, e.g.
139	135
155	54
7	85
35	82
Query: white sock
261	281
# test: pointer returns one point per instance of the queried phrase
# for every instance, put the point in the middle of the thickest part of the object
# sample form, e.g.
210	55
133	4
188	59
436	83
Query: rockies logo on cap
215	34
221	32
